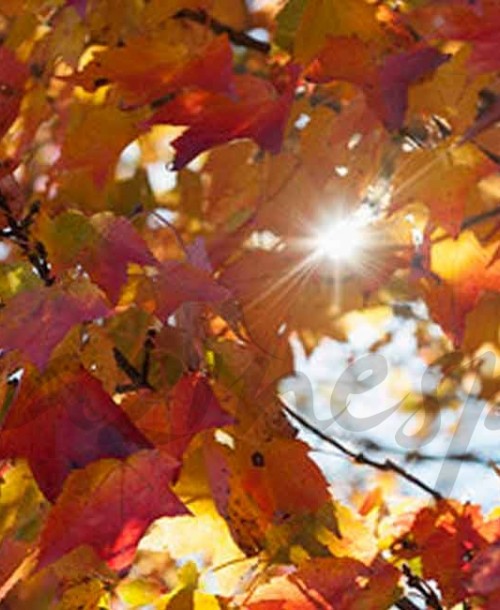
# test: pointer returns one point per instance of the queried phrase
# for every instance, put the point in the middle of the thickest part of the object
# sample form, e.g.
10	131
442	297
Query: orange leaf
465	273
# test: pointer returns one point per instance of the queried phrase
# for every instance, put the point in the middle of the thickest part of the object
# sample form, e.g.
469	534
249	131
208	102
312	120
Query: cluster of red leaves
144	326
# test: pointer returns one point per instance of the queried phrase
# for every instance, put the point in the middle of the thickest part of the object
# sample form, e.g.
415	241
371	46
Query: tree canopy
187	187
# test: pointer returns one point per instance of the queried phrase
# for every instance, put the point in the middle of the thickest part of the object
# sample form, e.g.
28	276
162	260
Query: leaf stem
139	379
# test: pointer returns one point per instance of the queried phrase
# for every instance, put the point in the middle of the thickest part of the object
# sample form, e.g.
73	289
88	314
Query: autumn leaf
462	274
195	196
172	422
148	70
32	322
109	505
259	110
334	583
446	537
450	186
478	26
104	246
318	19
483	578
13	76
171	284
254	487
62	421
385	83
82	145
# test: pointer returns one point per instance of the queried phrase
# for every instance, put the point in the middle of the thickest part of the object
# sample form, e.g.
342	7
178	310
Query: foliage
164	177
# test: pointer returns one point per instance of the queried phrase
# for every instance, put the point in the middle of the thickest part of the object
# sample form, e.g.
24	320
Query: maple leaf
171	423
261	484
259	110
62	421
109	505
332	584
35	321
450	184
483	576
456	20
174	283
385	85
447	536
462	274
374	113
316	20
103	245
82	143
146	70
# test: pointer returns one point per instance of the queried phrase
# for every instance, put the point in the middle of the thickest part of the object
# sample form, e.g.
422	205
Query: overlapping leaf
63	421
258	110
108	505
36	320
385	85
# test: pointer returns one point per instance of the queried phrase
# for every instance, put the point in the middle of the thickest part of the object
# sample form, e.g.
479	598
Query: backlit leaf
108	506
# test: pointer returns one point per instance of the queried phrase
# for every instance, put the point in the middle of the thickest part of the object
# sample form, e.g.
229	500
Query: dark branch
478	218
238	38
420	585
360	458
18	231
417	456
406	604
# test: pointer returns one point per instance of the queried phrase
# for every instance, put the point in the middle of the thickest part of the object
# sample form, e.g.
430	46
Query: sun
339	241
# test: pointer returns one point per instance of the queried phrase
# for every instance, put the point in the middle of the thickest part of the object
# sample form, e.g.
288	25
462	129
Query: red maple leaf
35	321
65	421
259	110
385	82
108	506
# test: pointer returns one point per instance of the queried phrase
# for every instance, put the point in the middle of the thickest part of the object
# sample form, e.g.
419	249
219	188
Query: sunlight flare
340	240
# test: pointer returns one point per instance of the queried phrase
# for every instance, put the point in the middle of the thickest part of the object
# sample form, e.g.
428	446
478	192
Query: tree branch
360	458
238	38
417	456
417	583
406	604
478	218
19	232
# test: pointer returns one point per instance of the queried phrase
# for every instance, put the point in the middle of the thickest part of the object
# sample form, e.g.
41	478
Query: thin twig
420	585
173	228
238	38
18	231
417	456
494	467
478	218
406	604
360	458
